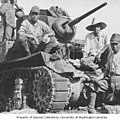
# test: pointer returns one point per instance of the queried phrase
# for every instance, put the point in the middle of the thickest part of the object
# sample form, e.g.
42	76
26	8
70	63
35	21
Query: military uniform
95	43
111	75
7	13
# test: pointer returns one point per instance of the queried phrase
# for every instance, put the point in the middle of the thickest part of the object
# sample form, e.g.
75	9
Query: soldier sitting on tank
95	44
37	33
34	35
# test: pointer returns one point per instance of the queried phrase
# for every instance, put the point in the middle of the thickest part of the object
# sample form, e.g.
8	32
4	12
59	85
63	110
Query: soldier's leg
40	47
50	45
8	33
88	64
92	100
8	37
96	87
47	47
19	49
23	41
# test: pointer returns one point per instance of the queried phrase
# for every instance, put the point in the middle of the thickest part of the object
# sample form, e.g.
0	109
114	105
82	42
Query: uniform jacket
92	45
110	62
113	78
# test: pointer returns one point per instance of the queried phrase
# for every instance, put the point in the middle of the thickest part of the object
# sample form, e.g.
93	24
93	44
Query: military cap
35	9
115	38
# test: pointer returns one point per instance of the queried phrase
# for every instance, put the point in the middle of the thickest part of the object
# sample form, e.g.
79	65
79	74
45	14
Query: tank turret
65	28
62	25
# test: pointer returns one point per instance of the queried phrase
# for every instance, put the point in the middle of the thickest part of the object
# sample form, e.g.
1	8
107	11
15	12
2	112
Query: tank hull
43	88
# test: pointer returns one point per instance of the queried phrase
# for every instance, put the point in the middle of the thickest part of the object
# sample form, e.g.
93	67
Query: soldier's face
34	16
97	29
115	47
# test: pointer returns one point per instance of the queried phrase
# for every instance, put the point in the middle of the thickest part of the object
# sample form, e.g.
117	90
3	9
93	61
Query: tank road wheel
42	89
51	91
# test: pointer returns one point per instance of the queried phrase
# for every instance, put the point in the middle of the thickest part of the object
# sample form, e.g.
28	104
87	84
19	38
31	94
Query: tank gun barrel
65	29
78	19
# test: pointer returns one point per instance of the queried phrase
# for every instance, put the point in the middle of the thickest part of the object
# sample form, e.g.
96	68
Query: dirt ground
107	109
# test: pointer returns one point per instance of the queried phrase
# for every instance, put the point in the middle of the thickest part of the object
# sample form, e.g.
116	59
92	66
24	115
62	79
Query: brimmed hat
115	38
35	9
92	26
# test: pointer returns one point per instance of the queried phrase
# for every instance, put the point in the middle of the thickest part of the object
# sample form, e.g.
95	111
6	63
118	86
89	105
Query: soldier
7	13
33	36
37	33
111	76
113	65
95	44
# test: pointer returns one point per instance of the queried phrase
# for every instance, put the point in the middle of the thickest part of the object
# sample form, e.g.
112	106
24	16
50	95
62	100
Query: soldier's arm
103	50
47	33
107	69
106	40
85	54
86	48
3	9
47	30
23	30
106	45
19	7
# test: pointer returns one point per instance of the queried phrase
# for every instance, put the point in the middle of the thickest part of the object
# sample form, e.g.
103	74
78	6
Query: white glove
46	39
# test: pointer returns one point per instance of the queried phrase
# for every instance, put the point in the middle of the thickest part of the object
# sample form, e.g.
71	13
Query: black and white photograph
59	59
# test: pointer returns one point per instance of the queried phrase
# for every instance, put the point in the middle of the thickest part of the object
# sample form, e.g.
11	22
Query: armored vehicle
38	82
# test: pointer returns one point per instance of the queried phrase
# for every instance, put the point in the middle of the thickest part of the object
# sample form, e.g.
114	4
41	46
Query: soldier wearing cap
113	65
34	35
37	33
111	77
95	44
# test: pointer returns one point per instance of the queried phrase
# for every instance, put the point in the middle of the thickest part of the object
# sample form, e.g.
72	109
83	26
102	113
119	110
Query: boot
91	104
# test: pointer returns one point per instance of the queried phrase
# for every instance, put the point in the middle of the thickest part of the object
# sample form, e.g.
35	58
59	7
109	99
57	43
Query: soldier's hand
97	59
36	40
46	39
82	60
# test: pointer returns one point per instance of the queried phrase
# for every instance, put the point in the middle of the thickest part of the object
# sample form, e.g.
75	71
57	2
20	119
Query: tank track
51	91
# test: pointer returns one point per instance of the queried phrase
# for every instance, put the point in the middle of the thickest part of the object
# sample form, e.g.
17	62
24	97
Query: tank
37	82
